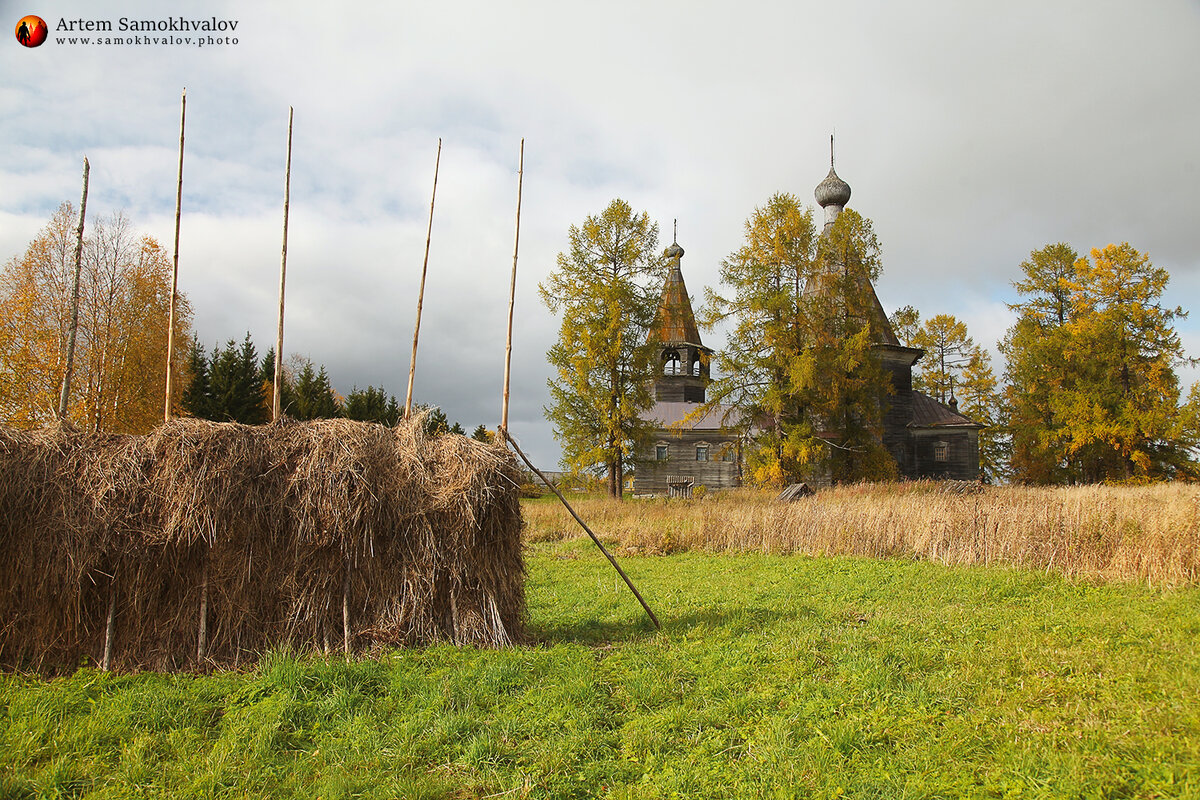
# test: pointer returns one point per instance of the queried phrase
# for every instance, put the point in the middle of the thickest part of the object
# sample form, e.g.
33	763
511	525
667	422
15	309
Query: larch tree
798	368
606	288
905	322
843	382
1036	371
948	350
953	365
762	299
1093	394
121	344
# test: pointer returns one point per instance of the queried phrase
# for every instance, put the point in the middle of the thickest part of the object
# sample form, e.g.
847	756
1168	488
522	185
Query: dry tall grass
1102	532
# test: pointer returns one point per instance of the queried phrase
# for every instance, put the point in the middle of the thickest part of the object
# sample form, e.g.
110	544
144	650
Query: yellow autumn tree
121	345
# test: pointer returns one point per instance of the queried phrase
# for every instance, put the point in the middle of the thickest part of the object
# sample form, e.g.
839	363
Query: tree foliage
1092	392
798	364
948	350
373	405
121	346
606	287
235	386
313	396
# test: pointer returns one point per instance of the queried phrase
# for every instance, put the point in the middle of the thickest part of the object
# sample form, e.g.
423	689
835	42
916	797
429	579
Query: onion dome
674	251
833	191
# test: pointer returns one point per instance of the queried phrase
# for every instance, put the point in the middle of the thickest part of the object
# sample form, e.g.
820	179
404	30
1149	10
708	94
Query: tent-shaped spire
676	323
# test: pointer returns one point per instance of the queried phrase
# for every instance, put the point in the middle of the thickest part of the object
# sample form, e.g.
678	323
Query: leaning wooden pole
64	396
512	296
170	401
287	195
512	291
412	364
583	525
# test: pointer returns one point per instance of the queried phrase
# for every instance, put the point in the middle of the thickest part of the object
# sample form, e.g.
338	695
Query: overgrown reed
1149	533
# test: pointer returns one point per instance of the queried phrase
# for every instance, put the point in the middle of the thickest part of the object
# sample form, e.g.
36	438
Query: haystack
208	543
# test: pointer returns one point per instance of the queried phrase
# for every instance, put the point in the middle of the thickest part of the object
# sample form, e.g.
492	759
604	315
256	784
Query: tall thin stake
65	395
503	430
346	610
106	661
512	292
412	364
170	401
202	636
287	195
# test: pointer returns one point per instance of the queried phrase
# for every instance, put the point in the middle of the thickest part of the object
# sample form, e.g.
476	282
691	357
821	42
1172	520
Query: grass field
773	676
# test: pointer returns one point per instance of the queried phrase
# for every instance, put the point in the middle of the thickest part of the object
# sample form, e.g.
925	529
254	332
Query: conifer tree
313	396
372	405
948	350
1093	394
606	287
197	395
233	377
798	364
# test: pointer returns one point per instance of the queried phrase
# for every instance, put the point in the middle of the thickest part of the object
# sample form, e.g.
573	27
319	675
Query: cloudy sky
970	133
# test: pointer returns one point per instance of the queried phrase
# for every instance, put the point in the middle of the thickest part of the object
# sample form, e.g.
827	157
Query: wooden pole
170	401
69	368
412	364
202	639
582	524
108	627
346	610
512	293
287	194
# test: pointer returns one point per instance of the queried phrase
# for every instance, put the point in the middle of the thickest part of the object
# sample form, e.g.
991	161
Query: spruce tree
234	380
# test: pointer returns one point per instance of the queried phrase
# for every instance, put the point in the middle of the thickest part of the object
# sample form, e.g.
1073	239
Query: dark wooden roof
930	413
676	324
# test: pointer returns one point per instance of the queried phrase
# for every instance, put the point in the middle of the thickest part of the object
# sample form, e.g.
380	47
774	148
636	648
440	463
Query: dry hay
272	527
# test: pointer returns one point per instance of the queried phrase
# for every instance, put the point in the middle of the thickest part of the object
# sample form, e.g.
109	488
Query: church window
702	452
696	367
941	451
660	452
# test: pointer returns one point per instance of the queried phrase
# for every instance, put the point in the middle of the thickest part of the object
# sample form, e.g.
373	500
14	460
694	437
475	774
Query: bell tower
683	370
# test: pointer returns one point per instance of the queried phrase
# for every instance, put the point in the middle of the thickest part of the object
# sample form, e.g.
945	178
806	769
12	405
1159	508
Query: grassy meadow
776	674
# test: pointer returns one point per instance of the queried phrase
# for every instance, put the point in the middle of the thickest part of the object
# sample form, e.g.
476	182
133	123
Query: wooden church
687	450
927	438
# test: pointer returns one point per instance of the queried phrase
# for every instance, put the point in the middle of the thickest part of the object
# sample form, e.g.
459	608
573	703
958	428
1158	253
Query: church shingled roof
930	413
676	324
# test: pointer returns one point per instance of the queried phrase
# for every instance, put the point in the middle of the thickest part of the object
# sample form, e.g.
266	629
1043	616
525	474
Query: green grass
772	677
